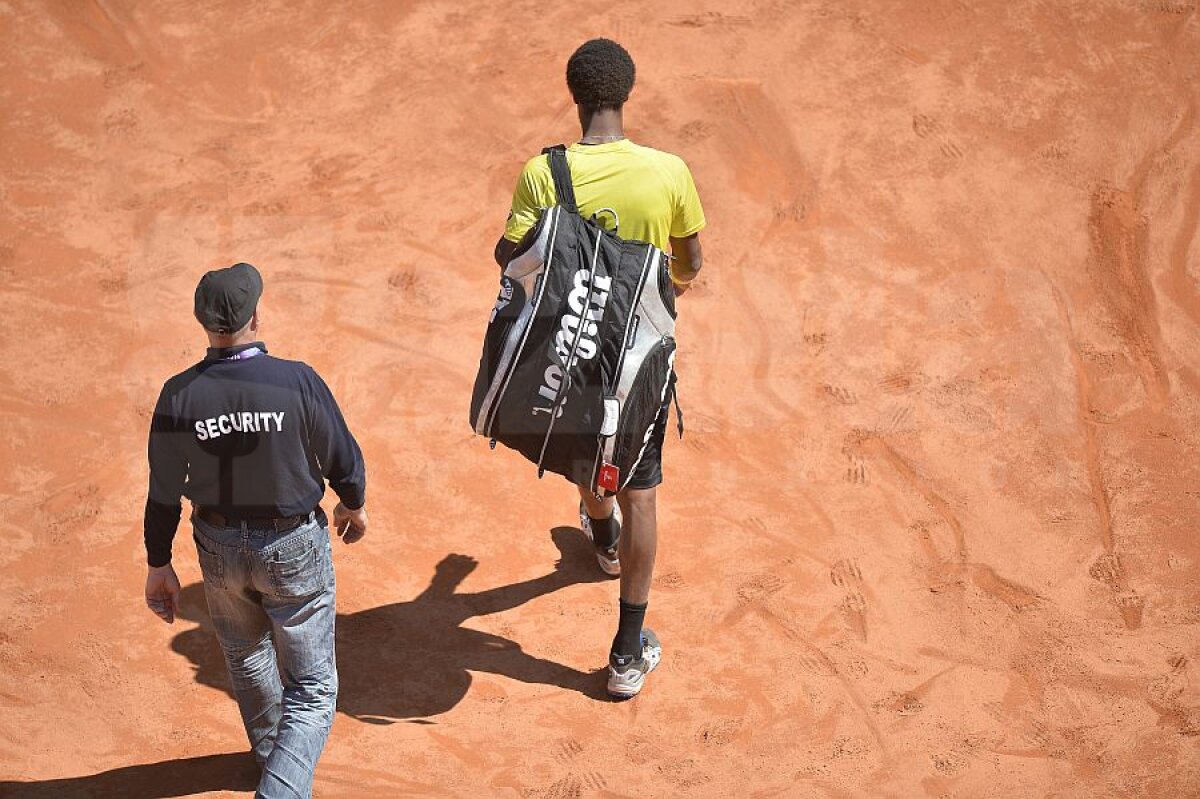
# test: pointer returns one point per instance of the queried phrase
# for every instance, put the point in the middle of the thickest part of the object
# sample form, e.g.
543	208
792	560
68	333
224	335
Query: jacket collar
231	353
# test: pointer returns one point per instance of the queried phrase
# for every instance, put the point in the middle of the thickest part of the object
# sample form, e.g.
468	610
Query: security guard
250	440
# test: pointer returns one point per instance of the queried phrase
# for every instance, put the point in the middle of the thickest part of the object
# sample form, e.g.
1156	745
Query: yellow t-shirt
652	192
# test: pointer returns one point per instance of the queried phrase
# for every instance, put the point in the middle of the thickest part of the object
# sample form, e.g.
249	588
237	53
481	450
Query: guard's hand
351	525
162	592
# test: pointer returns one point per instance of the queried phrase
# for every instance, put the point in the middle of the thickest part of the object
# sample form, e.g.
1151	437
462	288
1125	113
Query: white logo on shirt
240	422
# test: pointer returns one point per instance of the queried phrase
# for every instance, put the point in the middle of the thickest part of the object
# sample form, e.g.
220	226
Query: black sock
605	531
627	645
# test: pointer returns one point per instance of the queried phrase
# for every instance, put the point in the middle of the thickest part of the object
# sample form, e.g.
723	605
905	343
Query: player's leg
636	650
295	574
638	547
244	632
596	508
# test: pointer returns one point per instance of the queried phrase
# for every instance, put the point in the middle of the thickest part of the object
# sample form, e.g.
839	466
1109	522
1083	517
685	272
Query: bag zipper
637	297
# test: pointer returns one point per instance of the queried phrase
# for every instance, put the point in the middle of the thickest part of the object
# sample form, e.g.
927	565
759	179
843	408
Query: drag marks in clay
1119	233
951	570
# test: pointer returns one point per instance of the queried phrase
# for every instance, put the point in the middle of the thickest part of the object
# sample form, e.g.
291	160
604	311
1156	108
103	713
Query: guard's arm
339	455
168	473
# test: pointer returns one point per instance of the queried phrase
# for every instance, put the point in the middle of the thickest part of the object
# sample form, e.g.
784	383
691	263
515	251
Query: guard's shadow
186	776
406	661
412	660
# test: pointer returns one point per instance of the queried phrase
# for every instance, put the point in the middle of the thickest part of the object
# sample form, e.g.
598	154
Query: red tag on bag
609	477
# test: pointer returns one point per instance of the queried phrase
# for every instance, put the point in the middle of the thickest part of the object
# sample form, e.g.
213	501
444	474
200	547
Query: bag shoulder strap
561	173
673	390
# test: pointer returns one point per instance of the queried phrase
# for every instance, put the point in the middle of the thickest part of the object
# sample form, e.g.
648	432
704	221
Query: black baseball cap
226	298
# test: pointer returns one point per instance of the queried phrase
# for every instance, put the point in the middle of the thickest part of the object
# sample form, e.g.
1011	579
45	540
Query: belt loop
312	516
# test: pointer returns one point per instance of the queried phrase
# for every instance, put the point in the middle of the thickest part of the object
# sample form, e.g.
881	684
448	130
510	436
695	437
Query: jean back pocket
297	567
212	562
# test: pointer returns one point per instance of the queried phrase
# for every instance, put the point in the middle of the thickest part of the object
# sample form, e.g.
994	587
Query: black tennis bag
579	348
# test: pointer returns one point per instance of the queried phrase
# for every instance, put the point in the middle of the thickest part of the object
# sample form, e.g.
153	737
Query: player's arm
527	204
686	256
686	260
507	250
504	251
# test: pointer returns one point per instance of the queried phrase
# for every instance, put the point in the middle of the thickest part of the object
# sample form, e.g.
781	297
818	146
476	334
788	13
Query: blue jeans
271	598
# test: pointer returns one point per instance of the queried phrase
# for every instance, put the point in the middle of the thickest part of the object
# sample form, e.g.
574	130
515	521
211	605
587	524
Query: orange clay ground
932	531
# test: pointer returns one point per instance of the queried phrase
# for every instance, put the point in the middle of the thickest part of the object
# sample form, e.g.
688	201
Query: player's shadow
412	660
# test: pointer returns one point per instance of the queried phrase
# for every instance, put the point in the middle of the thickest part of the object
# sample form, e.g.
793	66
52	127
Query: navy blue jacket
249	438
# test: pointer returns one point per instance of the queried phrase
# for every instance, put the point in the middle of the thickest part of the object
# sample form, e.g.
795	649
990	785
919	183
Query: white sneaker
626	680
610	564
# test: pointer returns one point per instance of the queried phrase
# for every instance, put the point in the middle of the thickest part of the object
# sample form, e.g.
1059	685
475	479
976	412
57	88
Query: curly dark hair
600	74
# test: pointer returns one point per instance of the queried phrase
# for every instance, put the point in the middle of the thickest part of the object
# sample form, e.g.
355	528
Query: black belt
281	524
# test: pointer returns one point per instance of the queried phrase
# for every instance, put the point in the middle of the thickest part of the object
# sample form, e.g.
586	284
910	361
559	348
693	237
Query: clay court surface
931	532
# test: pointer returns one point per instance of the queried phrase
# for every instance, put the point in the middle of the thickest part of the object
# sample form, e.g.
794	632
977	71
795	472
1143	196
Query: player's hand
351	525
162	592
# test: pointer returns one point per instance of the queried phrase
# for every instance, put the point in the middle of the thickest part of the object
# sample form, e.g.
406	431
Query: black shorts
648	473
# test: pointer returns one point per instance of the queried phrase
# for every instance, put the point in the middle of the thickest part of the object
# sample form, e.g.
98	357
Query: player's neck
601	125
